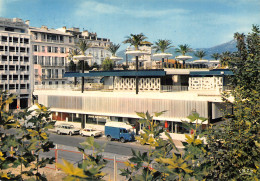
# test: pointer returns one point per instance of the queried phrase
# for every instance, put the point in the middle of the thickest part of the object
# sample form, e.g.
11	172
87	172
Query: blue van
119	131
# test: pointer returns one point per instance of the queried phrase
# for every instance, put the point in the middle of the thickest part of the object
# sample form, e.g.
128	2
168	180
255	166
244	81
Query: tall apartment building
50	50
15	61
98	47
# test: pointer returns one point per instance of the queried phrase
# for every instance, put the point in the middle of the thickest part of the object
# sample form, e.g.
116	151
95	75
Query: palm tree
162	45
240	38
183	49
200	54
216	56
72	66
225	58
113	48
135	40
83	46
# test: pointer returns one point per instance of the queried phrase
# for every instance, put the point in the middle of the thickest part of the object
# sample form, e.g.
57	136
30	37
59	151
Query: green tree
135	40
162	45
200	54
113	48
72	66
167	165
216	56
22	148
183	49
234	147
225	58
91	166
83	46
107	64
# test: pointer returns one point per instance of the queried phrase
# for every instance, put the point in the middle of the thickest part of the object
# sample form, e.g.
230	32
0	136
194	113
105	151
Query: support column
136	78
82	83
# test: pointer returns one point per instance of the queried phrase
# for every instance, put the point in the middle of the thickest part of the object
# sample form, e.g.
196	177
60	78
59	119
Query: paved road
113	147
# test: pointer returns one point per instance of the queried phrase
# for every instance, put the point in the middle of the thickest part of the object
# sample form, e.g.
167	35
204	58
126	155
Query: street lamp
136	54
82	58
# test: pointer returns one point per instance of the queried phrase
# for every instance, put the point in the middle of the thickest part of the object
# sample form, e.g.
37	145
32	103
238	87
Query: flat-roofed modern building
15	61
173	91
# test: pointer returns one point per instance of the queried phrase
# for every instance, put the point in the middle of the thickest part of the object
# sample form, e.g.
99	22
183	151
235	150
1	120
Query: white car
66	129
90	132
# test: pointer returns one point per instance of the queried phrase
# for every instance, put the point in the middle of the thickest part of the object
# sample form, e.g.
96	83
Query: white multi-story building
15	61
50	50
98	47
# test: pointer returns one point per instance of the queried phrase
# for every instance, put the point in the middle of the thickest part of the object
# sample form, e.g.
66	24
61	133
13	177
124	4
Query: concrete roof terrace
151	72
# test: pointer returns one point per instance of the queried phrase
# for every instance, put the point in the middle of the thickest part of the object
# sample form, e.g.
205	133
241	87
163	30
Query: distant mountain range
228	46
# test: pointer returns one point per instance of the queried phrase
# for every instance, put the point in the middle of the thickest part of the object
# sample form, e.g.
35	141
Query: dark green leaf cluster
107	64
91	166
22	148
234	145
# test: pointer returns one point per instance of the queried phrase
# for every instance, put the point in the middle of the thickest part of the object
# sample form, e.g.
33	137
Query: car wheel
122	140
82	134
70	133
109	138
92	135
58	132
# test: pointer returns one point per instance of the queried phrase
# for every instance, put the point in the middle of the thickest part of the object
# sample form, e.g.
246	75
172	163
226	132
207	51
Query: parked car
66	129
90	132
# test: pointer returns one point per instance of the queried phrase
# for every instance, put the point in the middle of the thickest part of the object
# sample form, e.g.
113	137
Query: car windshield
130	130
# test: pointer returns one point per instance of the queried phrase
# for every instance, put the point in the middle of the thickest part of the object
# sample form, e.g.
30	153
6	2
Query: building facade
160	90
15	61
50	49
98	48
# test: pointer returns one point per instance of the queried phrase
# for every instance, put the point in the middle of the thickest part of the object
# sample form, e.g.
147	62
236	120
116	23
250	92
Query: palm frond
162	45
113	48
183	49
135	40
200	54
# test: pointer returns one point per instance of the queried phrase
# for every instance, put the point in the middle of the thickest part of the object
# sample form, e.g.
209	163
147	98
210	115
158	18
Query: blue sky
199	23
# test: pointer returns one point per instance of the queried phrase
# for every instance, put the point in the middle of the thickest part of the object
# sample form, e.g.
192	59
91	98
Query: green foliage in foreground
164	161
91	166
234	150
22	148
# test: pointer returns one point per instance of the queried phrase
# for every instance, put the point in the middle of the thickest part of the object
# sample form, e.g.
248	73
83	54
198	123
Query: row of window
15	67
49	49
14	49
14	58
14	86
51	82
50	37
14	39
49	61
14	77
52	73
